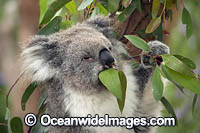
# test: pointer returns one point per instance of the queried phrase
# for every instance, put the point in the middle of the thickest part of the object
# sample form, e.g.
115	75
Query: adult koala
68	63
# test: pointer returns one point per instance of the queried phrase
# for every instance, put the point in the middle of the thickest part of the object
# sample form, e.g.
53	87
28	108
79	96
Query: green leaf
110	79
177	65
51	11
16	125
194	102
52	27
155	8
84	4
42	99
29	90
187	19
138	5
170	4
138	42
7	117
169	108
153	25
102	9
191	83
186	61
43	8
158	33
165	75
113	5
126	3
71	6
66	24
157	84
123	80
126	12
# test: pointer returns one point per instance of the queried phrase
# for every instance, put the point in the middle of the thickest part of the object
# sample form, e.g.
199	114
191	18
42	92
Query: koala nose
106	58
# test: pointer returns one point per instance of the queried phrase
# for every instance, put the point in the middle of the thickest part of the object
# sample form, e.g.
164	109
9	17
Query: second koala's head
74	56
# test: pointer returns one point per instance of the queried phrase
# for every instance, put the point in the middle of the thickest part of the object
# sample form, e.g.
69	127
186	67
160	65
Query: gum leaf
177	65
16	125
29	90
84	4
157	84
138	42
191	83
123	85
186	61
110	79
169	108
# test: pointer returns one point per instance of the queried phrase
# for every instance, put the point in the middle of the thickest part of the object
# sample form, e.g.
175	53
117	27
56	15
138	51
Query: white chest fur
103	103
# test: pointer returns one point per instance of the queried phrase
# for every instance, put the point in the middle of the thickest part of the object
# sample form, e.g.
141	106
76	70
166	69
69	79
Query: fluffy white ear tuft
158	47
35	65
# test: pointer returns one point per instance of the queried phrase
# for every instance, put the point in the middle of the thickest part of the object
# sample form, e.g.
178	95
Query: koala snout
106	59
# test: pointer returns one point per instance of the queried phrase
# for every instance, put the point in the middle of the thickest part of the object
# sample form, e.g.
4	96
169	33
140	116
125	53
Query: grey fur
58	62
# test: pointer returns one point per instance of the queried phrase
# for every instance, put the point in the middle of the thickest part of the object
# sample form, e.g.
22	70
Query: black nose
106	58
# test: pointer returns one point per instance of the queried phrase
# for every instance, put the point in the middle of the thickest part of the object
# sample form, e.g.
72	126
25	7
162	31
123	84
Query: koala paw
158	48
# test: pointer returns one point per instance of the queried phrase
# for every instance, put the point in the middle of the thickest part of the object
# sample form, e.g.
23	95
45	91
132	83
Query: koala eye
110	48
87	58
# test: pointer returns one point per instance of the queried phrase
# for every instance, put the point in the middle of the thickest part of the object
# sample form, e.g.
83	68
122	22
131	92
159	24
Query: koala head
75	56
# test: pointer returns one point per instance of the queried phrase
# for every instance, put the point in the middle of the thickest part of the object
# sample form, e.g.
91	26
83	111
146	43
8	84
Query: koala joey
68	63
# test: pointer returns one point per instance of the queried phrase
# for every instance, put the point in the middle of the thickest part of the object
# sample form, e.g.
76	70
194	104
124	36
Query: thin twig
10	89
3	124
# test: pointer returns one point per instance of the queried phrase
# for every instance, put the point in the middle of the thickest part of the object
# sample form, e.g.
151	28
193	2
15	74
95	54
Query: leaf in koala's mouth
116	83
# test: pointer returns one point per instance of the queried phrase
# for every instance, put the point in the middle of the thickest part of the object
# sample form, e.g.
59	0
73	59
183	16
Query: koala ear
41	58
158	47
102	24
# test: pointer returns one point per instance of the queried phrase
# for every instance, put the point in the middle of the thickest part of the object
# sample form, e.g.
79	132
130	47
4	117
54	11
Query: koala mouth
114	66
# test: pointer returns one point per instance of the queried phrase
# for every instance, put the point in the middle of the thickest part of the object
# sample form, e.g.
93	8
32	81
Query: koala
68	64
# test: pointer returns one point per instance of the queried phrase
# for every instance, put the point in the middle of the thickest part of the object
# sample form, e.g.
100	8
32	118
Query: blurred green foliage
190	48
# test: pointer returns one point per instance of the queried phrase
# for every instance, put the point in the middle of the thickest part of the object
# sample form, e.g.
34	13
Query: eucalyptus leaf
170	4
153	25
16	125
42	99
138	42
7	117
102	9
126	3
187	19
169	108
186	61
194	102
166	75
110	79
158	33
138	5
155	8
157	84
29	90
43	8
123	81
52	27
84	4
177	65
126	12
113	5
71	6
51	11
191	83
